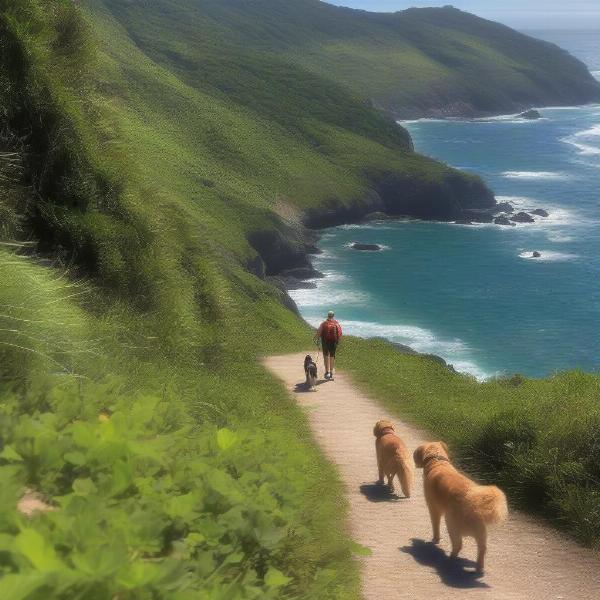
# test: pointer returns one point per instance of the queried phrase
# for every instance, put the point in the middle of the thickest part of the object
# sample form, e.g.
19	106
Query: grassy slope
132	168
153	503
413	62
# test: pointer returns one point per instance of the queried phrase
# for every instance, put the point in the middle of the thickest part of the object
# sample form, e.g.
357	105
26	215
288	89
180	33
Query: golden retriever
467	506
393	457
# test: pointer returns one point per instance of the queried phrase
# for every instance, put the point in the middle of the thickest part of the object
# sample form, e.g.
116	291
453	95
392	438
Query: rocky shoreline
299	272
285	250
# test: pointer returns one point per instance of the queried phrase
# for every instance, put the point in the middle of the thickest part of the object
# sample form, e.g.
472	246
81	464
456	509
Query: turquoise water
472	294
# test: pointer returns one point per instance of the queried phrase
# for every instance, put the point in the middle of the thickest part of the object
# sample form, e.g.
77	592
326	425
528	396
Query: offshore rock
522	217
540	212
503	220
366	247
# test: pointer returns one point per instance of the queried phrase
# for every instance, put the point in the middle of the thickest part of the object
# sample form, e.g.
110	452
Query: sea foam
548	256
586	141
558	216
534	175
422	340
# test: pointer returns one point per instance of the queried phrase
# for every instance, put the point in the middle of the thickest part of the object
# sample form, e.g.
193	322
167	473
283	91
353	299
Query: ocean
473	294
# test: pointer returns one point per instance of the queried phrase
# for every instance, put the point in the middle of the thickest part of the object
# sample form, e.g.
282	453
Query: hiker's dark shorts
328	348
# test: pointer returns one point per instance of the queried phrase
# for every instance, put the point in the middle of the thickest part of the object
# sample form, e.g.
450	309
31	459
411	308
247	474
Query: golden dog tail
488	503
405	473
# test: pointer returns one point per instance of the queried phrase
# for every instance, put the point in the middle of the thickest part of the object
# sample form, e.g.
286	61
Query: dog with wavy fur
468	507
393	457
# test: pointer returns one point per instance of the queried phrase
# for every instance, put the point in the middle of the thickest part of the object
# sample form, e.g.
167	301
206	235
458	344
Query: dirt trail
525	560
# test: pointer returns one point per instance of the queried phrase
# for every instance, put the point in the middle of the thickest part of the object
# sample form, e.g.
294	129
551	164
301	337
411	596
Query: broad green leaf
182	506
84	487
234	559
75	458
40	553
103	561
83	435
224	484
226	438
122	477
194	539
9	453
275	578
138	574
19	586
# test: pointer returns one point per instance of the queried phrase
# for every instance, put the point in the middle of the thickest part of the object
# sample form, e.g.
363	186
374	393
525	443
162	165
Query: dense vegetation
537	439
411	63
132	401
140	162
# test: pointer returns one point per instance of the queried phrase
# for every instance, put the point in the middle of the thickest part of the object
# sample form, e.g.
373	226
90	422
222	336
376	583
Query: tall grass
41	329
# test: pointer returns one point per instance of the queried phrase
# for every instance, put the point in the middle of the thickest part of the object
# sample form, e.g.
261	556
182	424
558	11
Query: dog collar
435	457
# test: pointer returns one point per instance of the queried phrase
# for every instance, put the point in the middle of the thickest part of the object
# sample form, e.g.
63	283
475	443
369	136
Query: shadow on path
452	571
302	388
378	492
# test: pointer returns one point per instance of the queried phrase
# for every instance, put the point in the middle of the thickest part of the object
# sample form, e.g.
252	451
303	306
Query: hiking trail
526	560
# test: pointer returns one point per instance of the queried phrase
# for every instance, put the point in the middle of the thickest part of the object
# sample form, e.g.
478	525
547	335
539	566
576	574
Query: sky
521	14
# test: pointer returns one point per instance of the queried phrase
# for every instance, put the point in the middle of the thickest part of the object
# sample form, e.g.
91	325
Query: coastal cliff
285	247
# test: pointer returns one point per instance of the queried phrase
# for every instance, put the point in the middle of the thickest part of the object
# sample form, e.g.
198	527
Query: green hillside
412	63
151	175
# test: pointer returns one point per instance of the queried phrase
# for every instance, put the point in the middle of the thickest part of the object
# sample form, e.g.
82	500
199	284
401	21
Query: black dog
310	368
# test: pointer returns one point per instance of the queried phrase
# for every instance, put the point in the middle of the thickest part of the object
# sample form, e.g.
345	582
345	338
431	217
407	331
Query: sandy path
525	560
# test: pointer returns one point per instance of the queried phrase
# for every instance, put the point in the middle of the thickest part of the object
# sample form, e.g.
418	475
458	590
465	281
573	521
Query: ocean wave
548	256
584	149
509	119
422	340
534	175
422	120
581	140
378	225
559	238
314	297
578	107
591	132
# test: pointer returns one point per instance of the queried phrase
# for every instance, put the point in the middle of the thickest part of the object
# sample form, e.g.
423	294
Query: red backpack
330	331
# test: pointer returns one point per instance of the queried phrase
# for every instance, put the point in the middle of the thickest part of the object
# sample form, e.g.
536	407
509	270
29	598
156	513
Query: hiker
329	333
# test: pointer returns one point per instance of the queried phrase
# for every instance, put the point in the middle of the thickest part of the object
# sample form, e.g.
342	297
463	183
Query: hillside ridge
412	63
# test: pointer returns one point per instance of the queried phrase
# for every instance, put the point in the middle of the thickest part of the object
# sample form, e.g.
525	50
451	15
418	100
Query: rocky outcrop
503	220
536	254
366	247
484	215
447	198
505	207
522	217
531	115
540	212
283	247
280	249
